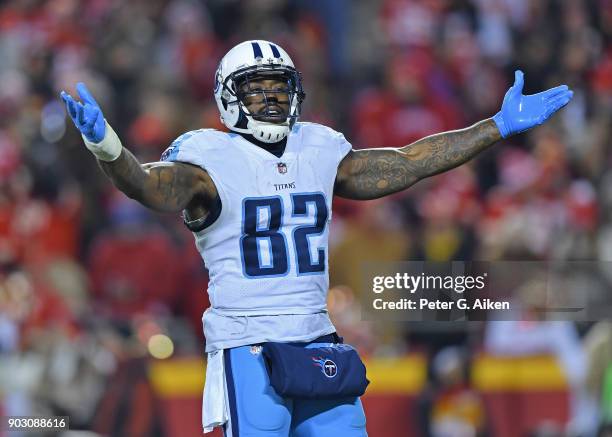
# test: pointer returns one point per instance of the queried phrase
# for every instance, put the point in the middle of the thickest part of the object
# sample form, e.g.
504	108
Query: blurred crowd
87	276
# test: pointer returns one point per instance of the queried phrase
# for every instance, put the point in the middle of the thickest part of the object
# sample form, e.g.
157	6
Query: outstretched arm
372	173
161	186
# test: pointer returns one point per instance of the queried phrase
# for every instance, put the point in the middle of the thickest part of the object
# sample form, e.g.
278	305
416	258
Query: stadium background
92	285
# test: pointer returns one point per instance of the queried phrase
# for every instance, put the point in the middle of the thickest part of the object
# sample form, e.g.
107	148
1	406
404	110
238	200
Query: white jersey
267	252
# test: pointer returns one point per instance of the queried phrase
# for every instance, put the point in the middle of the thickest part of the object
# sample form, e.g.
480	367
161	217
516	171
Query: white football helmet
255	60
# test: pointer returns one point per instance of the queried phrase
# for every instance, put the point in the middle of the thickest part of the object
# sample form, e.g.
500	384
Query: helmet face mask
267	97
258	96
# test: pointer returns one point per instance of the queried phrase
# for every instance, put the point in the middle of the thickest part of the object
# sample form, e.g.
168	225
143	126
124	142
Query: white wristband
109	148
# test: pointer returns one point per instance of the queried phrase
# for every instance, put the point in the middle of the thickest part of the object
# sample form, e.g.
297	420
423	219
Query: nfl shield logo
281	167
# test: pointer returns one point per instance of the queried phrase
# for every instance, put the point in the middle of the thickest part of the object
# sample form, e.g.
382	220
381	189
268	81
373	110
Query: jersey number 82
255	263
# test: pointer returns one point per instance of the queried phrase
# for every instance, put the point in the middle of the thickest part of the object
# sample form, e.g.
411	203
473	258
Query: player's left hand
519	112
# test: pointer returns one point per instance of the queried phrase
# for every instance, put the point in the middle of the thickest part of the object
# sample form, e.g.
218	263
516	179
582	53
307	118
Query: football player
258	199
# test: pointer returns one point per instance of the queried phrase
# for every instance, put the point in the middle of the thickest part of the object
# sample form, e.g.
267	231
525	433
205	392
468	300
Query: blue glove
519	113
87	116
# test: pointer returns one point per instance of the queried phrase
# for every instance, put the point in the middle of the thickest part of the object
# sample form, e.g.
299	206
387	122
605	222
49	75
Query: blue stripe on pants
231	392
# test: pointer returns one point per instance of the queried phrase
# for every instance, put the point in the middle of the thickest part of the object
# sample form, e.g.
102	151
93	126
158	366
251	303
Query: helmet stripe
275	51
257	50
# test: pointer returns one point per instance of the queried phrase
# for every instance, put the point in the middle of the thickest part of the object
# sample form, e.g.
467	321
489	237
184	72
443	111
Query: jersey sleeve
344	147
201	148
186	148
340	145
332	143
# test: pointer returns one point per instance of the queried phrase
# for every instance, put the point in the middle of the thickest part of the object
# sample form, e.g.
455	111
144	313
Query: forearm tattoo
373	173
162	186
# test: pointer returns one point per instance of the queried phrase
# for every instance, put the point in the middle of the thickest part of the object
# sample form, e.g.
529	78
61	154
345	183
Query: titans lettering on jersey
267	252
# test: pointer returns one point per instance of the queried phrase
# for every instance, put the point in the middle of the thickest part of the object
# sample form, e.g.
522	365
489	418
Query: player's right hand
87	116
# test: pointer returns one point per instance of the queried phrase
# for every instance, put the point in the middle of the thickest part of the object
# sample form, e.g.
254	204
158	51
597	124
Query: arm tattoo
126	173
373	173
162	186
